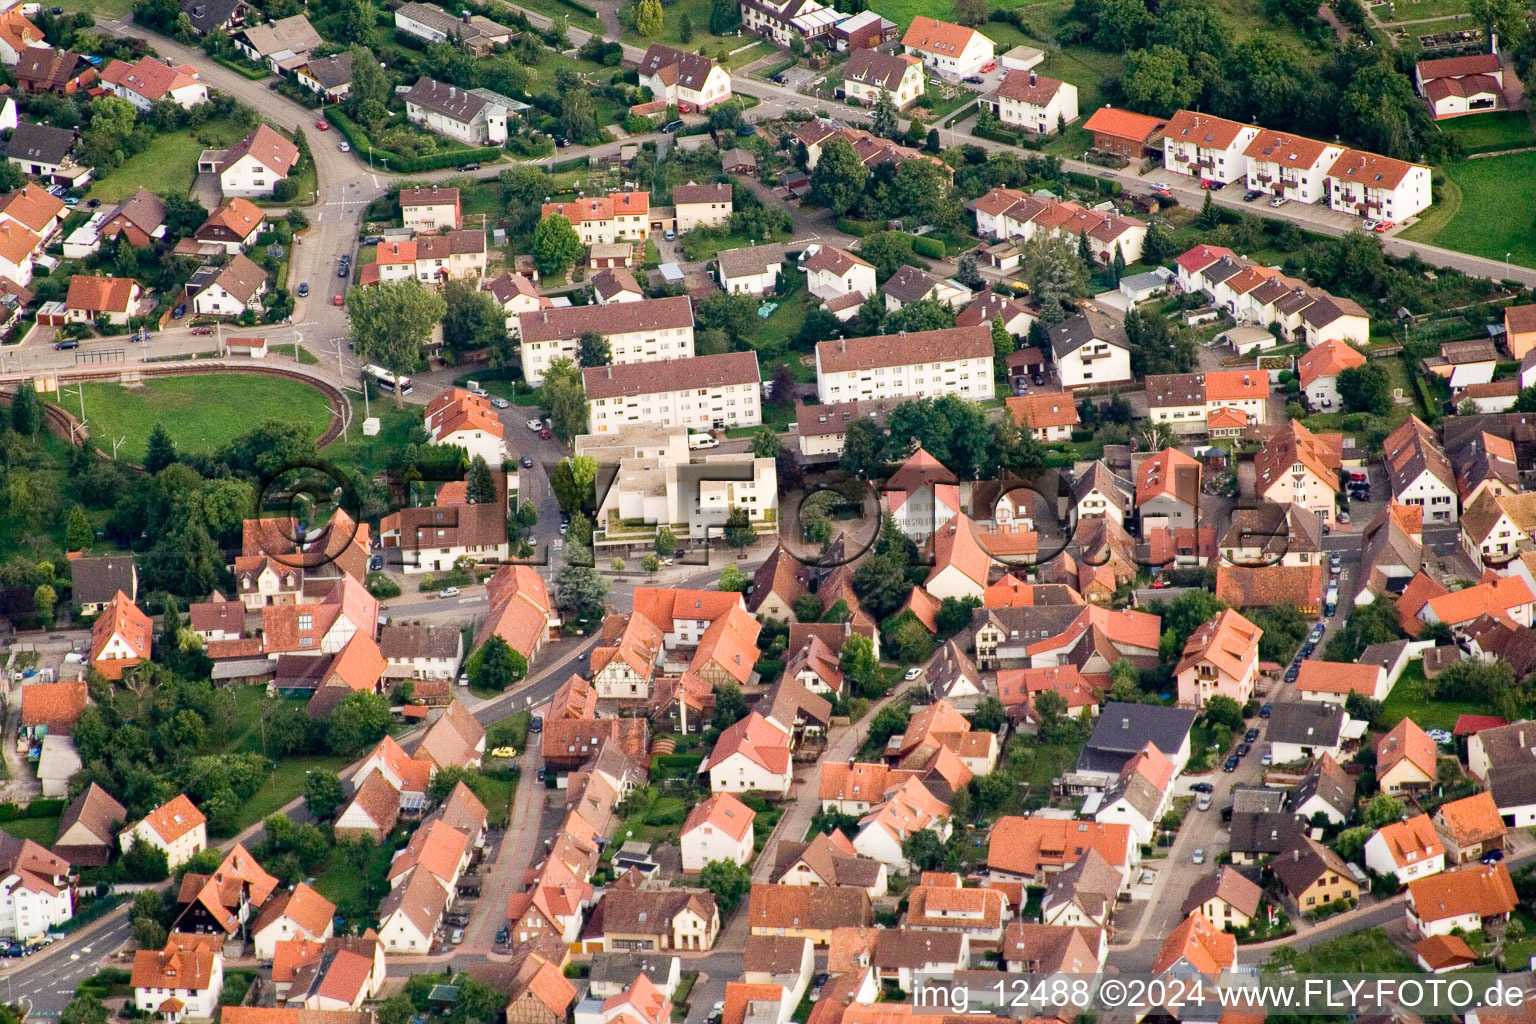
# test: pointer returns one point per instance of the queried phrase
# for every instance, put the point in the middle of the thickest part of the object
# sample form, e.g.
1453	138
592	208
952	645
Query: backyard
168	166
1479	213
1407	700
202	412
1490	133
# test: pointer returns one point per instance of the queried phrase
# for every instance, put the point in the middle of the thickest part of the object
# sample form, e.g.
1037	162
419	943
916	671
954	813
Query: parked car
303	288
1243	749
669	235
471	166
71	201
1385	226
989	66
179	312
1204	803
204	329
561	141
498	402
536	723
1251	195
1250	735
375	563
1493	856
1199	855
449	592
974	80
526	462
341	271
322	125
1231	764
545	434
503	935
534	424
672	126
68	343
344	148
1291	673
339	301
1203	787
1278	202
1266	709
912	673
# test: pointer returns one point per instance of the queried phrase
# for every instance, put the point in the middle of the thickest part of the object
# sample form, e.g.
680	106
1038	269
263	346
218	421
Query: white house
1091	350
475	32
35	894
750	271
751	756
1378	187
297	913
869	73
1319	371
1462	900
457	113
516	295
227	291
149	82
951	50
953	361
688	81
705	392
1453	86
652	330
460	418
183	981
1290	165
1207	147
1408	849
839	278
176	827
257	163
430	209
410	915
1036	103
17	34
720	828
1420	472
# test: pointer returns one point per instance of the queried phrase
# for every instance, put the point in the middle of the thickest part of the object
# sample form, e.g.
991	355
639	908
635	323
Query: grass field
202	412
1487	133
286	783
40	830
168	166
1481	213
1407	700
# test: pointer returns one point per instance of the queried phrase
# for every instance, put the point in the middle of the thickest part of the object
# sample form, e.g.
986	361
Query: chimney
1031	78
1296	856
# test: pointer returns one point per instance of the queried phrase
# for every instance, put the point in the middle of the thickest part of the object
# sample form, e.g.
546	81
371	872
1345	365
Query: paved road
47	983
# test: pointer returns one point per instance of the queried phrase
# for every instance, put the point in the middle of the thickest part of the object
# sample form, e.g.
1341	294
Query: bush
285	190
930	247
381	586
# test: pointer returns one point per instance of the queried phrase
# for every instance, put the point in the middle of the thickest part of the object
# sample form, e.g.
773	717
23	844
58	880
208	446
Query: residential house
616	217
1031	850
688	81
1408	849
516	295
1228	899
411	913
701	206
1380	187
228	291
88	828
952	51
434	538
476	33
184	980
17	35
421	652
1313	876
1298	467
807	911
840	278
657	919
120	637
829	859
177	827
232	227
1319	371
614	284
1420	472
215	15
457	417
137	220
1207	147
1496	528
35	892
432	208
1047	949
1090	350
939	903
91	298
1123	731
784	21
1326	789
256	163
1392	552
957	361
1469	900
750	271
373	809
1273	535
1048	417
1455	86
95	581
430	259
1221	658
1333	681
1038	104
448	110
719	828
282	44
705	393
1290	166
1139	796
1083	894
1006	213
1301	730
297	913
1168	490
1124	133
50	709
1470	827
870	73
42	69
1196	947
1519	329
46	152
149	81
1405	759
751	755
328	77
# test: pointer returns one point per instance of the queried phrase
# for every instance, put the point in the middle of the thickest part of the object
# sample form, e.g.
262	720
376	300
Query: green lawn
39	830
341	882
1481	213
397	428
285	783
168	165
202	412
1407	700
1487	133
672	18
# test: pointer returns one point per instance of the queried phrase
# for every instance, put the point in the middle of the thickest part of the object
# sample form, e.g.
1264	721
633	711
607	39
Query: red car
202	330
991	66
544	433
1160	584
1385	226
337	301
322	125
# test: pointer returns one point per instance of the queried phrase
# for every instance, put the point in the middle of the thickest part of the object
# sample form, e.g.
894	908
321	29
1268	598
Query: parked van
698	441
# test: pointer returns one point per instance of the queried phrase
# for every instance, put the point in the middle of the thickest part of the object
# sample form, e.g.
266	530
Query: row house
784	21
1007	213
646	331
1207	147
1290	166
1186	401
1496	528
1420	472
1379	187
430	259
616	217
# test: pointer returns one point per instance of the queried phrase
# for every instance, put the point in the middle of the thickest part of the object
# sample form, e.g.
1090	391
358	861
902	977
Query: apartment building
704	392
1206	147
951	50
1036	103
603	220
1379	187
955	361
637	332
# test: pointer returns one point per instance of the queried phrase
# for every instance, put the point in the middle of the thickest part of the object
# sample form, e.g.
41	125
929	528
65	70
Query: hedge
394	161
35	809
1089	181
998	133
241	68
960	115
575	163
930	247
583	8
850	226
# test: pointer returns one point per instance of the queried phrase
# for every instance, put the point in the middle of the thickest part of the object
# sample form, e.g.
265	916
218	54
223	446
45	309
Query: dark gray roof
1127	728
452	102
948	667
1103	479
206	15
1257	800
1303	862
1092	881
1514	786
1137	790
1333	785
1264	833
332	72
40	143
1090	325
623	968
1385	655
1309	723
910	284
95	580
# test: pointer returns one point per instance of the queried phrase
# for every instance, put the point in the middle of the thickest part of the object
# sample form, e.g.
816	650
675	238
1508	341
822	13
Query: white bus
386	380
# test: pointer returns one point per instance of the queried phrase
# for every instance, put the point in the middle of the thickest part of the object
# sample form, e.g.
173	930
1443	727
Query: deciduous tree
389	323
839	178
556	245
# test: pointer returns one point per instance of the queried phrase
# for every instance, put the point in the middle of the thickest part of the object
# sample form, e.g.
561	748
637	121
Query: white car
1199	857
534	424
499	403
912	673
346	148
449	592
